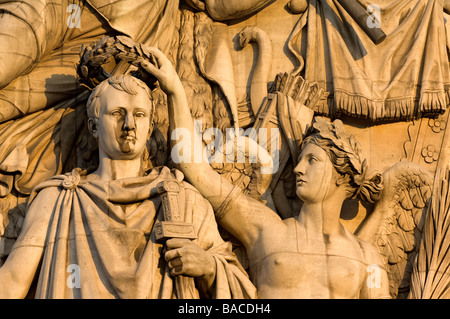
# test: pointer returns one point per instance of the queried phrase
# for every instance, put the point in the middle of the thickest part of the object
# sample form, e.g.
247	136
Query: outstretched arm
229	9
234	9
244	219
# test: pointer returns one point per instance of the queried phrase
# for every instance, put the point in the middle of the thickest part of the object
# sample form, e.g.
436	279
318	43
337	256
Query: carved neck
322	217
111	169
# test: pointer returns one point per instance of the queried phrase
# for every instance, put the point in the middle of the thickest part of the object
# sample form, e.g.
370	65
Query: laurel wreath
335	132
117	54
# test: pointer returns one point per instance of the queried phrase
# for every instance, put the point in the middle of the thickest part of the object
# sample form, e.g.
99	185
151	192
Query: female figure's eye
313	159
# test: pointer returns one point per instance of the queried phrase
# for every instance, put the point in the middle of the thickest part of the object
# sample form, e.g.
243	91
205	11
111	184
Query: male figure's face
123	125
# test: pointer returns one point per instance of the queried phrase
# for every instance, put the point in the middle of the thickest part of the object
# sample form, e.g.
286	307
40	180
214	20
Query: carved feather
396	223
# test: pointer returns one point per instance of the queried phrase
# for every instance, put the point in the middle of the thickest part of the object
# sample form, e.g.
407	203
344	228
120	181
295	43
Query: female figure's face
315	174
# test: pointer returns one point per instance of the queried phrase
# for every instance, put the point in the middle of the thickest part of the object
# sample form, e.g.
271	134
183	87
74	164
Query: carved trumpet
361	17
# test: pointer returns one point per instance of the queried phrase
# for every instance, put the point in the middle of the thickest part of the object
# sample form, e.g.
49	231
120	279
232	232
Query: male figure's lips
128	137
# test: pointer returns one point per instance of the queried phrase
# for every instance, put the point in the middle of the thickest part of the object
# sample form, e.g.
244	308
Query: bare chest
319	268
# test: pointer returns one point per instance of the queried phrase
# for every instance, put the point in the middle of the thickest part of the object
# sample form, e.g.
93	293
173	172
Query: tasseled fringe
406	109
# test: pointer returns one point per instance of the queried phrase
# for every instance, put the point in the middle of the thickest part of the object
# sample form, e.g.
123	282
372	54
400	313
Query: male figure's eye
117	113
139	114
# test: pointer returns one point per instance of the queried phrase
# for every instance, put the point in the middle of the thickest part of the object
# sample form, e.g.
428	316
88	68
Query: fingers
161	68
175	262
196	4
172	254
185	258
150	68
174	250
159	56
175	256
157	59
174	243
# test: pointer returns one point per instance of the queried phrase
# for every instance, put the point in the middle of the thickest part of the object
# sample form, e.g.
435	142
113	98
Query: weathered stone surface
330	180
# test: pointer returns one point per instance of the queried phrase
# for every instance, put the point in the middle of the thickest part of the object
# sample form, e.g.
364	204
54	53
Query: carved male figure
104	224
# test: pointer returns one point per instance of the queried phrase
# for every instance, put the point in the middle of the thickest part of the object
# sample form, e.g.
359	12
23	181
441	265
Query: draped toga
107	230
43	142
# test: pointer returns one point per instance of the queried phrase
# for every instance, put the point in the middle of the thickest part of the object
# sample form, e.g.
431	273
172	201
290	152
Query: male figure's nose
129	122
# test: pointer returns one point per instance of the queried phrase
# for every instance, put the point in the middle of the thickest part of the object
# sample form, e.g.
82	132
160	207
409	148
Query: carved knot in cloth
72	180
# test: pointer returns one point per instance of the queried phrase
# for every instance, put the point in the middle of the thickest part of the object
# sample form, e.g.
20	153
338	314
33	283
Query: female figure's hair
125	83
346	156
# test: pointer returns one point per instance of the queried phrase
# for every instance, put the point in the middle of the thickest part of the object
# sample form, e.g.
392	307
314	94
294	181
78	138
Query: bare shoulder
371	254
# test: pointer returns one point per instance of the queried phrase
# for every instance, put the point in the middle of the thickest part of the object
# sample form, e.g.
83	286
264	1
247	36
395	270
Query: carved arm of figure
263	233
244	224
229	9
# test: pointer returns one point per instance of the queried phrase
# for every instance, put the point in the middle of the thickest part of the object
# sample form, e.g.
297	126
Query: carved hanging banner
406	76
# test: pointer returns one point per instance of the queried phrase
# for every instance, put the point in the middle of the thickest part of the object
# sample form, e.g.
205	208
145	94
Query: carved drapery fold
405	77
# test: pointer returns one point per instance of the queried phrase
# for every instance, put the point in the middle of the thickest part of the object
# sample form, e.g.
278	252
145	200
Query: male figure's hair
125	83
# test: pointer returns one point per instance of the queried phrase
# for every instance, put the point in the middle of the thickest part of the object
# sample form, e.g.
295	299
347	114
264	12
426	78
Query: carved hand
184	257
164	71
234	9
196	4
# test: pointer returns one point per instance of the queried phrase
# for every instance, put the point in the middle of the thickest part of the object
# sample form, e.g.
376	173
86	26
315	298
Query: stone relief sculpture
106	222
329	170
396	225
372	69
48	136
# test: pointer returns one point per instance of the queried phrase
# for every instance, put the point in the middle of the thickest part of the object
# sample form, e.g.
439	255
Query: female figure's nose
299	169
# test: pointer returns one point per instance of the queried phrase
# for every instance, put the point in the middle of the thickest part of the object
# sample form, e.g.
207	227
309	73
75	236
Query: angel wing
245	163
395	226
